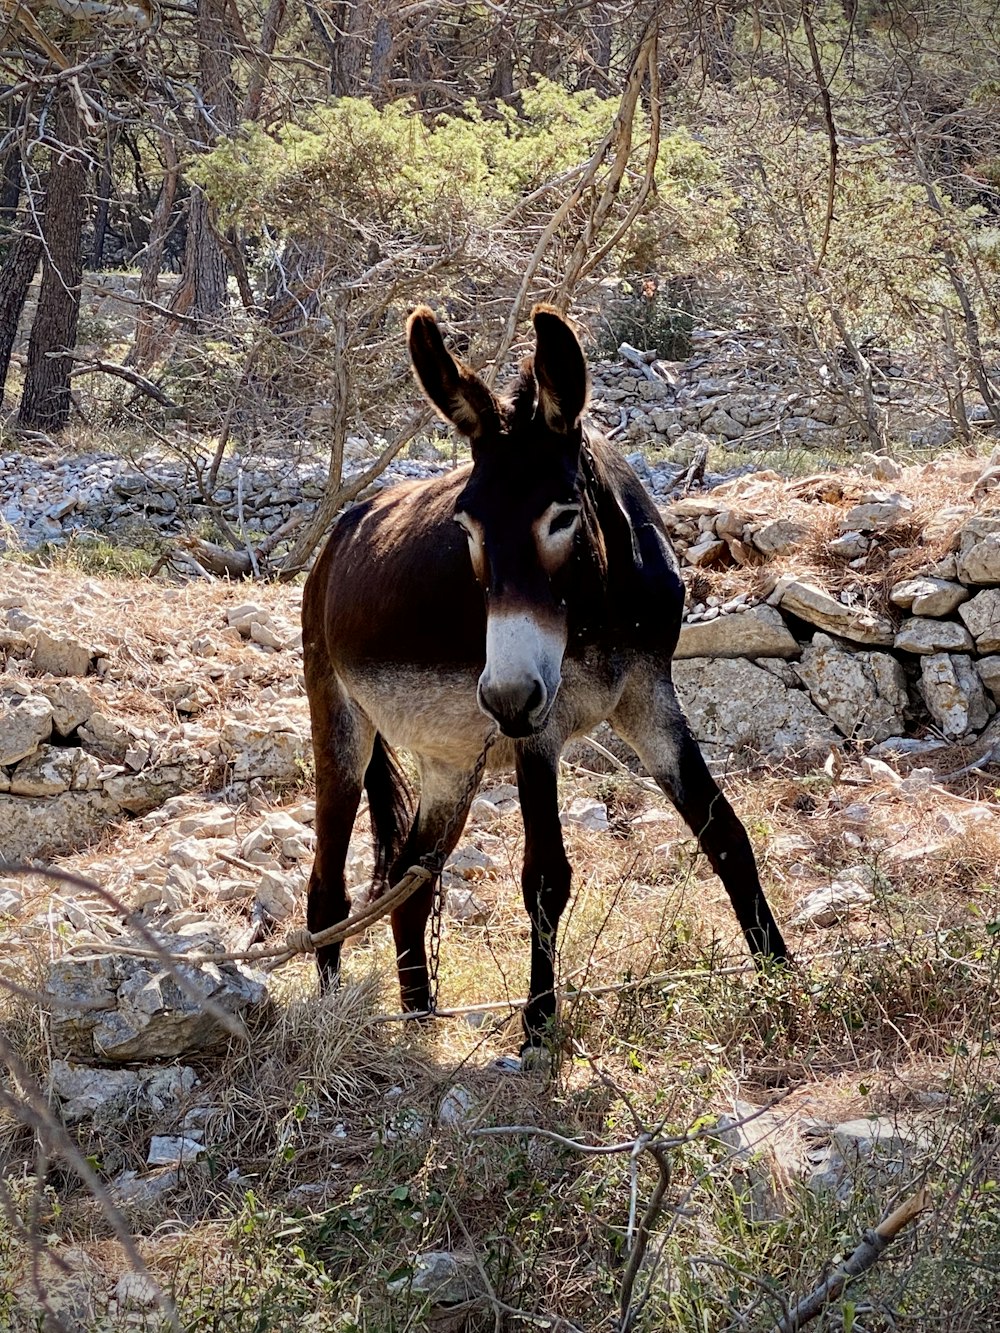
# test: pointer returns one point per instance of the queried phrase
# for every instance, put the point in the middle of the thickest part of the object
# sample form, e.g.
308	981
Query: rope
296	941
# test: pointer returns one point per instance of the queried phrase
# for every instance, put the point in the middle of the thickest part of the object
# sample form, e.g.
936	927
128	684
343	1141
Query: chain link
434	862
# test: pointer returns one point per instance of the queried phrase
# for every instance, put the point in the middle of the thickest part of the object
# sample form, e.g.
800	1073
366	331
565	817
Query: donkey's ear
560	371
456	391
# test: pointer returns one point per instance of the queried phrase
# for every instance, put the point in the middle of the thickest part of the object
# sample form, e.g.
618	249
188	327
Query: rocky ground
286	1161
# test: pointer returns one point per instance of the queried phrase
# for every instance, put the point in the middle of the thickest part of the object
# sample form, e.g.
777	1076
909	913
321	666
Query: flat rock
112	1096
831	903
72	703
759	632
863	693
979	550
989	674
139	1011
954	694
586	813
878	514
32	827
816	607
733	705
25	722
779	536
982	619
922	635
441	1277
60	654
928	596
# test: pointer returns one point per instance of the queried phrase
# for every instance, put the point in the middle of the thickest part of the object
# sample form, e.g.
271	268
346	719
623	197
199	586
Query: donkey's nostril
536	699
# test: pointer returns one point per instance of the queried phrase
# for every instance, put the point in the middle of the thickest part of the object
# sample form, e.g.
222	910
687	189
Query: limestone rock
953	693
816	607
72	703
463	905
989	674
979	550
53	769
25	721
982	618
442	1277
60	654
759	632
882	511
271	749
137	1009
927	596
831	903
31	828
705	552
863	693
139	792
732	704
779	536
111	1096
920	635
586	813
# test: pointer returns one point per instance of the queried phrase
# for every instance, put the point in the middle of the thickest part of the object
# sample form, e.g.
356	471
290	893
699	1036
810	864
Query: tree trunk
15	279
202	290
45	402
270	30
104	187
144	347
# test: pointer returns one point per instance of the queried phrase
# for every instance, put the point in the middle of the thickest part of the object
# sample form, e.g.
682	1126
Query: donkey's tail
390	804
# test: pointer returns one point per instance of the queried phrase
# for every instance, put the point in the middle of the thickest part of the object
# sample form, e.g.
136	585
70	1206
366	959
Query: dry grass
329	1169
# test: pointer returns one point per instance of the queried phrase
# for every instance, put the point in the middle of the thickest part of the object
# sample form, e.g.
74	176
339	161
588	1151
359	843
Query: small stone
979	550
989	674
173	1150
864	693
25	721
705	552
48	772
275	895
878	515
982	618
208	824
457	1107
587	813
264	635
920	635
60	654
441	1277
758	632
469	862
135	1291
831	903
953	693
463	905
928	596
779	536
881	466
849	545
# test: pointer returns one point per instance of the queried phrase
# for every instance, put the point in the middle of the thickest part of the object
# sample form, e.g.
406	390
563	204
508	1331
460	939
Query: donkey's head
520	507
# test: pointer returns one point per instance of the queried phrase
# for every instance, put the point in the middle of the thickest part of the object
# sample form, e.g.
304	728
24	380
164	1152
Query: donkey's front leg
545	880
650	719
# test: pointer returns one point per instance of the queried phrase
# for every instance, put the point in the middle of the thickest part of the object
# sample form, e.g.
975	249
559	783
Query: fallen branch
868	1252
87	366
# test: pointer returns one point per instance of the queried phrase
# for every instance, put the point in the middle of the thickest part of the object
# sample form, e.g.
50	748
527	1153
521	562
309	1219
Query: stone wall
904	663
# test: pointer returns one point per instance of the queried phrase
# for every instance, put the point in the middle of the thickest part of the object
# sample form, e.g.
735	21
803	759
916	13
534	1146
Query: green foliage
358	175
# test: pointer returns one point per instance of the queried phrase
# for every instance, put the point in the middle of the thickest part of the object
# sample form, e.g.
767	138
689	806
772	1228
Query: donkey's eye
564	520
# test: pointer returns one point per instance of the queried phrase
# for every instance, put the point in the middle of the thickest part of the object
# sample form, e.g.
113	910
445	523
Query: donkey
534	591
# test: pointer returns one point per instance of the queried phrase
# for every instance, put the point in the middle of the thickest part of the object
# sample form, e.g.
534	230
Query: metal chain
434	862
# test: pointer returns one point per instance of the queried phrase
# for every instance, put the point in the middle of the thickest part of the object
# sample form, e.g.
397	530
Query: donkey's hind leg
650	719
342	744
445	798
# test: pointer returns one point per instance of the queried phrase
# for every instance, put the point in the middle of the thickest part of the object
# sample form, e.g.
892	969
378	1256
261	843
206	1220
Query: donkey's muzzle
519	708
